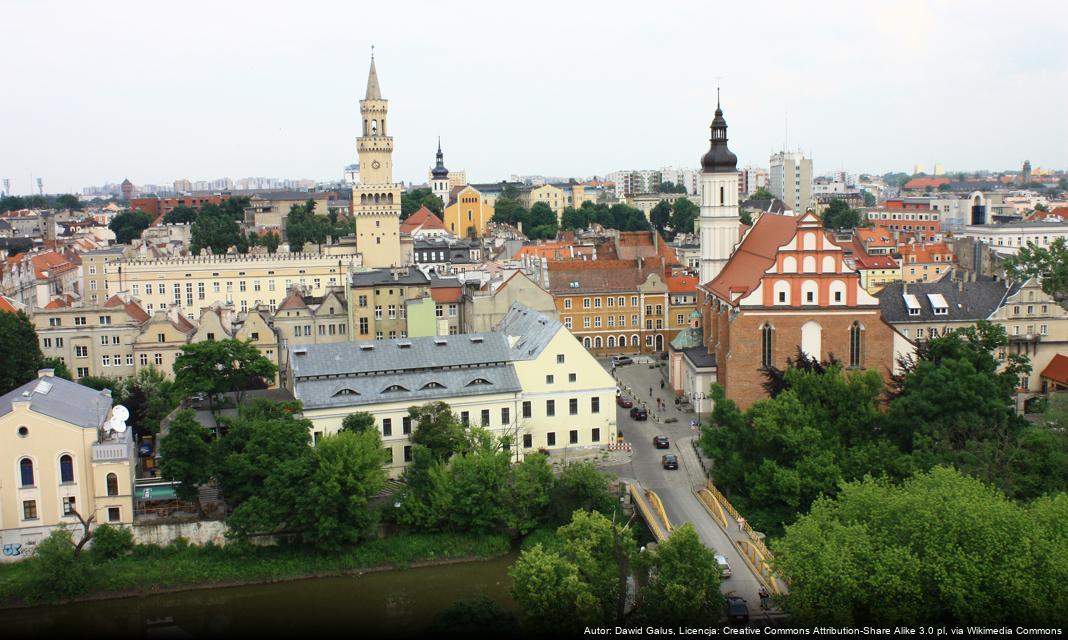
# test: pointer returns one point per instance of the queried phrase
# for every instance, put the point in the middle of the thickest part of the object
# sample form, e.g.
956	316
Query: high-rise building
791	180
1027	172
750	179
719	220
376	201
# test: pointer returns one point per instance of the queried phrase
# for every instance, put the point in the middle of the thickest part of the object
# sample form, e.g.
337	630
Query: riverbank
149	570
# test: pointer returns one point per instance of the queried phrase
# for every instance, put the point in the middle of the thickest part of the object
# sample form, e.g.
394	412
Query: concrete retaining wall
197	533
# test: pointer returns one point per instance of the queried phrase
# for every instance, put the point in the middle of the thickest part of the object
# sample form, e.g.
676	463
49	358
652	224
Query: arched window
767	358
26	469
812	339
789	264
113	484
374	127
782	292
721	200
611	341
809	264
378	198
389	198
597	342
363	198
810	292
586	342
856	335
838	292
635	341
622	341
828	264
66	468
809	240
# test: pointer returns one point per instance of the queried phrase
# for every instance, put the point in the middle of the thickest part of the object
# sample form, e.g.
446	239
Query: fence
753	547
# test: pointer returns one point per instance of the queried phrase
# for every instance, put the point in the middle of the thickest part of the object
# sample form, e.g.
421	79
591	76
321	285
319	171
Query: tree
438	429
303	225
56	572
578	583
215	228
762	194
264	441
412	200
12	203
1041	207
839	215
222	366
541	222
185	456
478	478
16	246
683	215
575	218
20	351
508	210
358	422
682	583
180	215
1048	264
869	198
347	471
580	486
1063	184
528	493
58	367
129	225
110	542
660	215
941	548
670	187
68	201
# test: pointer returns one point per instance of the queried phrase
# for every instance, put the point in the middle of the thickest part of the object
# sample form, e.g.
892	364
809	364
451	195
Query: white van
724	567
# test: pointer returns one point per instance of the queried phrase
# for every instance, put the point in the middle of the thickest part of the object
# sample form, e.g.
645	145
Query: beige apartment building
245	281
94	270
93	340
57	456
310	319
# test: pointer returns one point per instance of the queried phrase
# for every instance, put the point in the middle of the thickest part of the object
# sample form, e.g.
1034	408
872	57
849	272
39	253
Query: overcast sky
97	91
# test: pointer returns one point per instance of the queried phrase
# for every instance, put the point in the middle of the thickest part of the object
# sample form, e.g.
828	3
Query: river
384	603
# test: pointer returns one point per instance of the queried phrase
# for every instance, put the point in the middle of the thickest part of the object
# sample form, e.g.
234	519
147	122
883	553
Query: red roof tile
422	219
923	183
1057	369
754	255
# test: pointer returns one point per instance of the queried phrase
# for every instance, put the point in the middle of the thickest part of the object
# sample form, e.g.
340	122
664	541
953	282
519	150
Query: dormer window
478	381
346	392
433	385
393	388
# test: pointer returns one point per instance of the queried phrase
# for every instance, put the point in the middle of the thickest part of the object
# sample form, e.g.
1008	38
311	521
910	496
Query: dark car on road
737	610
619	361
670	461
624	402
661	442
638	413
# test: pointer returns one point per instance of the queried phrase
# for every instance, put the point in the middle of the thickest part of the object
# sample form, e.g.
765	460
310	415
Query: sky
93	92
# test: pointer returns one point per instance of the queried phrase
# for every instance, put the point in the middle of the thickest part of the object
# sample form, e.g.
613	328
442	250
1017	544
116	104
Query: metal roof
61	399
967	302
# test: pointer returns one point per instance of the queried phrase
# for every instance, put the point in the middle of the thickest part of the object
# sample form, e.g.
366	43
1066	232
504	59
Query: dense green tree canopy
180	215
1048	264
358	422
762	193
683	214
185	455
221	366
660	216
681	582
423	197
68	201
839	215
20	351
129	225
303	225
941	548
216	228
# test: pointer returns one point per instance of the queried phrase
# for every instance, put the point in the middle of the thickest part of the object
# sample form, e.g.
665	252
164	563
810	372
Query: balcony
1025	337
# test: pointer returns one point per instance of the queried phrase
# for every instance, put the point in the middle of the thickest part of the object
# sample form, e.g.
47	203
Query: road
675	488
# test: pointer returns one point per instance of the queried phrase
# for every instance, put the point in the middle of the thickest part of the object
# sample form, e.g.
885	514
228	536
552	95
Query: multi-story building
303	318
485	308
386	304
530	380
787	287
876	271
94	339
925	224
791	180
268	211
94	264
442	253
466	212
1007	238
158	207
685	177
750	179
1037	326
58	456
925	262
35	279
632	182
245	280
161	339
423	224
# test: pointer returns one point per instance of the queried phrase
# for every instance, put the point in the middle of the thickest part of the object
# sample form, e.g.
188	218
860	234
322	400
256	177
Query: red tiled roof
1059	212
923	183
294	300
446	294
875	236
52	262
422	219
754	255
132	309
864	261
599	276
682	284
8	305
1057	369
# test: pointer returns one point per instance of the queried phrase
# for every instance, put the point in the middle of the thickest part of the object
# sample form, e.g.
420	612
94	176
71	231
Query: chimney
904	288
46	373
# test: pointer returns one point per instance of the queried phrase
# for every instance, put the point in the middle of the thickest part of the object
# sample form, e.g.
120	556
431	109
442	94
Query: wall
198	532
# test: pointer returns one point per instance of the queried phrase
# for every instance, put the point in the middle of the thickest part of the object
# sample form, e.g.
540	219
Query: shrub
56	573
111	542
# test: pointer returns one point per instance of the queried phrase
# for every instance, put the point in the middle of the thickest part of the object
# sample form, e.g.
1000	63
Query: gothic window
855	335
390	198
112	482
721	200
766	356
66	468
374	127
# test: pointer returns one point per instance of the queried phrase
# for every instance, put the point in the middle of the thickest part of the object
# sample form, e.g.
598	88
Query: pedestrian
741	524
650	392
765	598
661	384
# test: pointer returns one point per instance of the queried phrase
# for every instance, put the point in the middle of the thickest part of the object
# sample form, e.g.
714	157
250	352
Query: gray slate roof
977	301
700	357
408	386
529	332
65	400
424	353
385	276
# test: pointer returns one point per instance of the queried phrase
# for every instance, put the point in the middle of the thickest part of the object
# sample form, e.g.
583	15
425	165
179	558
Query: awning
156	492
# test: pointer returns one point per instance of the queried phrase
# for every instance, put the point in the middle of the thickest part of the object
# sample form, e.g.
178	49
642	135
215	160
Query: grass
150	568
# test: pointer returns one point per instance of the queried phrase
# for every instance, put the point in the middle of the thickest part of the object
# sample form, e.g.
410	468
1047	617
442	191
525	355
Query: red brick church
786	286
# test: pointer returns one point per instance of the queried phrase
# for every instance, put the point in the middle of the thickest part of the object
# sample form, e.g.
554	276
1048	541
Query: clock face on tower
376	165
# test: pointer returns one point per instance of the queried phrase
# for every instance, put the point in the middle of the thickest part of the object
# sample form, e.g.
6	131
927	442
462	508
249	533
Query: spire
719	158
439	170
373	92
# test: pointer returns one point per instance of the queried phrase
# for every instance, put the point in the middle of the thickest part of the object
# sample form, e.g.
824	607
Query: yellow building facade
57	457
467	213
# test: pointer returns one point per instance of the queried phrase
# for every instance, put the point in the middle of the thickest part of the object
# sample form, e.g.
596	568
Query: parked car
639	413
724	567
670	461
661	442
737	610
624	402
619	361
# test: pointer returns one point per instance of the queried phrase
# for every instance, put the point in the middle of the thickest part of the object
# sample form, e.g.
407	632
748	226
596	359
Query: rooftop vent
441	342
43	387
404	345
300	351
367	347
477	339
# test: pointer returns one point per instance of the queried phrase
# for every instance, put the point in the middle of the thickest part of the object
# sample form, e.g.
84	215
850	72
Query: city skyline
593	98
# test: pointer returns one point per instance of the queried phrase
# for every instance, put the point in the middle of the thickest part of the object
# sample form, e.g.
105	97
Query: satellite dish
118	419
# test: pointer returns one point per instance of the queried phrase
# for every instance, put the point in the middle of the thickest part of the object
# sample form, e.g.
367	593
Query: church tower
376	200
439	179
719	221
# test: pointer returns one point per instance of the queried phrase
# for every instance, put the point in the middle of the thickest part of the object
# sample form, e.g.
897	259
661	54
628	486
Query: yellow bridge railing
647	513
658	506
752	547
